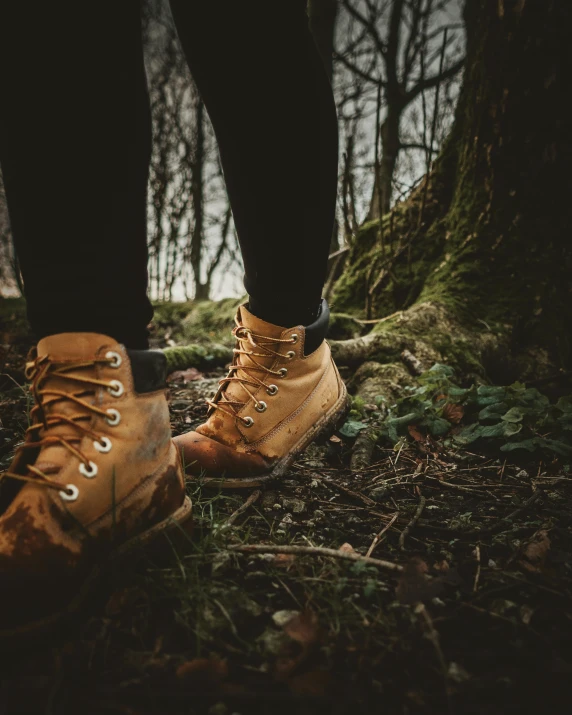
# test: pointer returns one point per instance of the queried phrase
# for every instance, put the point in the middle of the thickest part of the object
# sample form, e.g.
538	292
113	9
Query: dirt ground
463	604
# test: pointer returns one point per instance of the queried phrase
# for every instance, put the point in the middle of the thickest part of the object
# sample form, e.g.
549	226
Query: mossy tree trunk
482	250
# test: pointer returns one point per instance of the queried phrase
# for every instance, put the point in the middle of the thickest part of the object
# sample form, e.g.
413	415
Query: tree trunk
383	183
489	261
198	198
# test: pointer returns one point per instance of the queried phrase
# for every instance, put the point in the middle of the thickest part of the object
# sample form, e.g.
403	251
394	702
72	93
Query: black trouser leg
75	140
271	105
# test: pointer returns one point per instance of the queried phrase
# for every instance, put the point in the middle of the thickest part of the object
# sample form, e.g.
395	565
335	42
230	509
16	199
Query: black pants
75	141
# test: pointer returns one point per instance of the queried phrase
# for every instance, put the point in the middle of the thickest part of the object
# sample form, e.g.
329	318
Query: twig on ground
241	509
471	490
478	573
377	537
314	551
517	512
432	634
356	495
412	523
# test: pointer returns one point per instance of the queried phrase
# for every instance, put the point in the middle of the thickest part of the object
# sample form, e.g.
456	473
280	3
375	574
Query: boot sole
182	518
320	433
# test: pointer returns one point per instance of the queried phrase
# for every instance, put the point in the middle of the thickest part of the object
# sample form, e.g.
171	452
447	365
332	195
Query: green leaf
493	430
468	434
528	444
515	414
352	428
436	425
512	428
493	411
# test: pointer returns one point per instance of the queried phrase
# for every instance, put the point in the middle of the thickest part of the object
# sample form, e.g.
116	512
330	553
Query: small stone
523	474
457	673
297	506
379	493
319	514
281	618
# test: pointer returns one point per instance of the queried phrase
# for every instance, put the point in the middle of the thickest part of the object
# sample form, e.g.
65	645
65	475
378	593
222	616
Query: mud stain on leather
165	499
35	545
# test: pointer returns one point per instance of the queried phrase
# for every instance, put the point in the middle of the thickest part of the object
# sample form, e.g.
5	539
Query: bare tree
190	222
393	47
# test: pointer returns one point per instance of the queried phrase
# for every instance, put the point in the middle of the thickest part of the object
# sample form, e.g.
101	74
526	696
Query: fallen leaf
208	671
303	628
534	553
453	413
347	548
415	433
414	585
185	375
283	560
313	684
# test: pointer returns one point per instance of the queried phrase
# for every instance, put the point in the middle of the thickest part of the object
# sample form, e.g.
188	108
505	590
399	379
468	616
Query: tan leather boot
97	474
281	393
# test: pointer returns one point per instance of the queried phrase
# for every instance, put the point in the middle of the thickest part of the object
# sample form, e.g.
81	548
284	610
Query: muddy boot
282	392
97	475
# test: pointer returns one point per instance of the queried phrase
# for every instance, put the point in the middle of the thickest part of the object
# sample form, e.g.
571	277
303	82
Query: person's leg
75	140
271	105
98	467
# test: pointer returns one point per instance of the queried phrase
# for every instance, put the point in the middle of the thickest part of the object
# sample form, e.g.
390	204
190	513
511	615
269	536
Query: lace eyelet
115	388
295	337
282	372
271	390
290	354
71	493
104	445
247	421
115	417
115	358
261	406
88	472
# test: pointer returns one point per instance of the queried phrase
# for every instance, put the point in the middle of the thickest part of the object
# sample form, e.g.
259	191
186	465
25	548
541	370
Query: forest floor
478	619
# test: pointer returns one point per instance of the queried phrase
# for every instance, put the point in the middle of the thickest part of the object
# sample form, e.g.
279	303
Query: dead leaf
534	553
453	412
415	433
208	671
303	628
185	375
283	560
414	585
347	548
313	684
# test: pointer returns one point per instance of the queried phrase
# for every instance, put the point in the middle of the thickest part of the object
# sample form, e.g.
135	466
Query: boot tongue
267	332
257	325
60	349
73	346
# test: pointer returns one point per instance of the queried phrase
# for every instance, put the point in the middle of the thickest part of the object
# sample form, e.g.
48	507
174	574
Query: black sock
286	316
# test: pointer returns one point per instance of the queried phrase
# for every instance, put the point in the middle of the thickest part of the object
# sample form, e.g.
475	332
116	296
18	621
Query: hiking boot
97	475
282	392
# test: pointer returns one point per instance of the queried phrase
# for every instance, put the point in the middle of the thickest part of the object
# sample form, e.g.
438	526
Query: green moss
197	321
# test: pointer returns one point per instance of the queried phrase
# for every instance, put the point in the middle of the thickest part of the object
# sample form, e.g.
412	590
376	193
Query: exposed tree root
199	356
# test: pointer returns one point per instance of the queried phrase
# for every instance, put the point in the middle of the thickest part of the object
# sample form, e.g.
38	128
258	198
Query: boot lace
42	420
250	347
